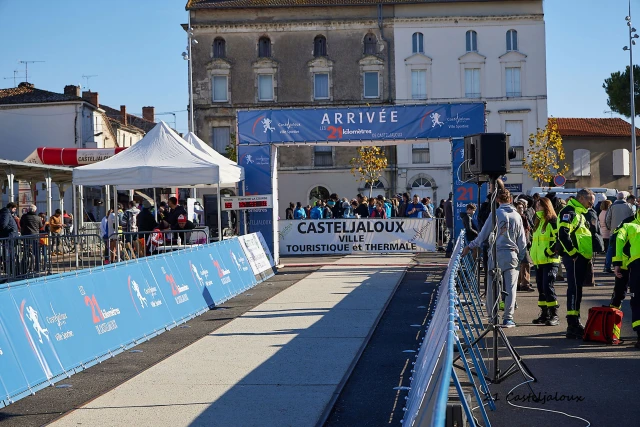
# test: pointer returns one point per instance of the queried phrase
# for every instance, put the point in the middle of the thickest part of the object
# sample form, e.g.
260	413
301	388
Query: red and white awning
71	156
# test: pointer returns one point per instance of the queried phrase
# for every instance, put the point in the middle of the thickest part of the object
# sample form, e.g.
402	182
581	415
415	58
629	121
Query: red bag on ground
603	325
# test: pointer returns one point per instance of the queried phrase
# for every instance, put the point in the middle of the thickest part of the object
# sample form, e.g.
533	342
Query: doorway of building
422	187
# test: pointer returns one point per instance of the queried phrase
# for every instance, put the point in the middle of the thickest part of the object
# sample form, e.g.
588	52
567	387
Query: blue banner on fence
256	161
52	327
463	192
384	123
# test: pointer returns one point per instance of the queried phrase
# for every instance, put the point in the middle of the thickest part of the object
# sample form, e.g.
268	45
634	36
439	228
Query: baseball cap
182	219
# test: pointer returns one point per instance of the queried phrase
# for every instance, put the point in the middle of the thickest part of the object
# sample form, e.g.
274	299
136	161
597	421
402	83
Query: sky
133	48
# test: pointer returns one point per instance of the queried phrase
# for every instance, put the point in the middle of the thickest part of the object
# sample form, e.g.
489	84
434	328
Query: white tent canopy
227	167
160	159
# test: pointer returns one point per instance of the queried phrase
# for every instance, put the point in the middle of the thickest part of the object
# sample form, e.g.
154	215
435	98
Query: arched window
264	47
472	41
370	44
581	162
219	48
319	46
418	43
376	185
318	193
375	190
421	183
512	40
421	187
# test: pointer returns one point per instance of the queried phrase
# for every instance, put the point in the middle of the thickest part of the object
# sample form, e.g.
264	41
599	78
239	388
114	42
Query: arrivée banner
379	123
346	236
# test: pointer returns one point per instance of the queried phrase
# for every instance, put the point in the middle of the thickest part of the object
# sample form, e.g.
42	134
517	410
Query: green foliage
231	150
617	88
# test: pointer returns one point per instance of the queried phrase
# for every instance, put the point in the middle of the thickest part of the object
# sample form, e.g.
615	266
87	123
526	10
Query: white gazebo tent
160	159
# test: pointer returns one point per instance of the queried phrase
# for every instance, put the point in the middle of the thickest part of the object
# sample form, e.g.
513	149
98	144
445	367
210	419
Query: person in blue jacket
316	211
299	212
415	208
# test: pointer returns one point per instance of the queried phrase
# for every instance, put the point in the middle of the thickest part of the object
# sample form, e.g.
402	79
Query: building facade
492	52
598	152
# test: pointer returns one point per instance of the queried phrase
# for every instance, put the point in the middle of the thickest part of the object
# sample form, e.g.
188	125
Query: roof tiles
222	4
27	94
602	127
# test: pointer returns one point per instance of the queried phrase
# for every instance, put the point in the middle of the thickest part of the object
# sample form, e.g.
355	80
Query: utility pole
26	68
634	162
87	79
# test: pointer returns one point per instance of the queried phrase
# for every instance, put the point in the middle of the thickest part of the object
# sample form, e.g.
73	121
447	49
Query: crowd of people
548	234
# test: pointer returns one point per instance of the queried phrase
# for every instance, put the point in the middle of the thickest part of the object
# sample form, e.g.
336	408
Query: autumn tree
545	153
368	165
617	88
231	150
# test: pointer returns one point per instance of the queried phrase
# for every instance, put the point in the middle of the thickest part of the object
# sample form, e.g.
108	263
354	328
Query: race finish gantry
261	132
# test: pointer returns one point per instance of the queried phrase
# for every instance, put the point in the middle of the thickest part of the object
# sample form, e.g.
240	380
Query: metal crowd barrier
455	325
124	246
26	257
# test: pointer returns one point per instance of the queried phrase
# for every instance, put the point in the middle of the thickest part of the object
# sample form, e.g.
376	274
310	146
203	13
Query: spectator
631	201
606	232
348	209
30	222
179	234
470	226
440	226
427	204
175	211
524	276
402	208
372	205
363	208
44	225
415	209
386	204
327	213
104	232
129	218
448	216
616	213
8	226
307	211
145	221
379	211
288	213
316	211
426	213
299	212
55	227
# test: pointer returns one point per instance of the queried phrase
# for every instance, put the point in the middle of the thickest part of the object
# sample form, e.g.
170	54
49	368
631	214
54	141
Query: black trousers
546	279
576	271
634	289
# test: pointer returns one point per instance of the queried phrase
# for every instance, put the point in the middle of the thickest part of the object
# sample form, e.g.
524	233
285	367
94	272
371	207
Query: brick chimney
123	114
149	113
26	84
72	90
91	97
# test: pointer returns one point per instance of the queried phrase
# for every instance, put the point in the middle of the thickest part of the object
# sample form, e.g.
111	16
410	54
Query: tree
368	165
545	154
617	89
231	150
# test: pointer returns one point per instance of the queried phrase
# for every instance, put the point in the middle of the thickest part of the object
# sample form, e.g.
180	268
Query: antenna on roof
87	78
15	76
26	68
609	112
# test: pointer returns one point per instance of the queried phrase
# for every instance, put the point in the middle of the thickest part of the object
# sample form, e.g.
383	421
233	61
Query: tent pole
155	208
116	221
219	211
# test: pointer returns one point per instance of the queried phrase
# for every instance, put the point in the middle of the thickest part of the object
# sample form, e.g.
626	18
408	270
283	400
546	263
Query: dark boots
553	319
543	317
575	330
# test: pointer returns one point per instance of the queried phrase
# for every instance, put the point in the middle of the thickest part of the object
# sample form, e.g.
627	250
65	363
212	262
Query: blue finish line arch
260	132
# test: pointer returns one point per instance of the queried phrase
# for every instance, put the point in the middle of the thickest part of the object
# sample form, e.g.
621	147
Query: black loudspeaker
487	154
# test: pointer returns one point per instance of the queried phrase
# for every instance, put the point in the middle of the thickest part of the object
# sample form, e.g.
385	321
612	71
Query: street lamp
632	42
187	56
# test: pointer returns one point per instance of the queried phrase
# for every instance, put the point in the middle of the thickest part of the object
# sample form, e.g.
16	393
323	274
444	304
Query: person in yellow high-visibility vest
545	258
627	268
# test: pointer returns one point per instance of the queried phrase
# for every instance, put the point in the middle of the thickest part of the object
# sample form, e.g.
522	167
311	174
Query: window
512	40
472	82
421	182
264	47
219	88
515	130
265	87
370	44
418	84
323	155
472	41
220	137
321	86
621	162
581	162
420	153
319	46
512	75
218	48
418	42
318	193
371	89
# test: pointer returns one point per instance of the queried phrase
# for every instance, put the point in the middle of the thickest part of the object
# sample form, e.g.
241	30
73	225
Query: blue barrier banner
463	192
53	326
383	123
256	161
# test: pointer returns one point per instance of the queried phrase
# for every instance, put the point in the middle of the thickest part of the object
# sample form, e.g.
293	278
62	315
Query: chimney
123	114
149	113
26	84
72	90
91	97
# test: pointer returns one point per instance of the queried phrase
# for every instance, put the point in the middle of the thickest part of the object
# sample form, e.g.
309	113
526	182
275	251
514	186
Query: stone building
258	54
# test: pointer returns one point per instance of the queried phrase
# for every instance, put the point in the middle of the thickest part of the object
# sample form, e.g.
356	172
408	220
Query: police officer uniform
576	251
627	263
544	257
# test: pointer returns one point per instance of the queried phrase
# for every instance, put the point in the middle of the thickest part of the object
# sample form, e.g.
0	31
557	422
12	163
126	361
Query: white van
565	193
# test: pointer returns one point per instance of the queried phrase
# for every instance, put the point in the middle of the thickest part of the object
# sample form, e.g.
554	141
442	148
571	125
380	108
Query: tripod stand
494	327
